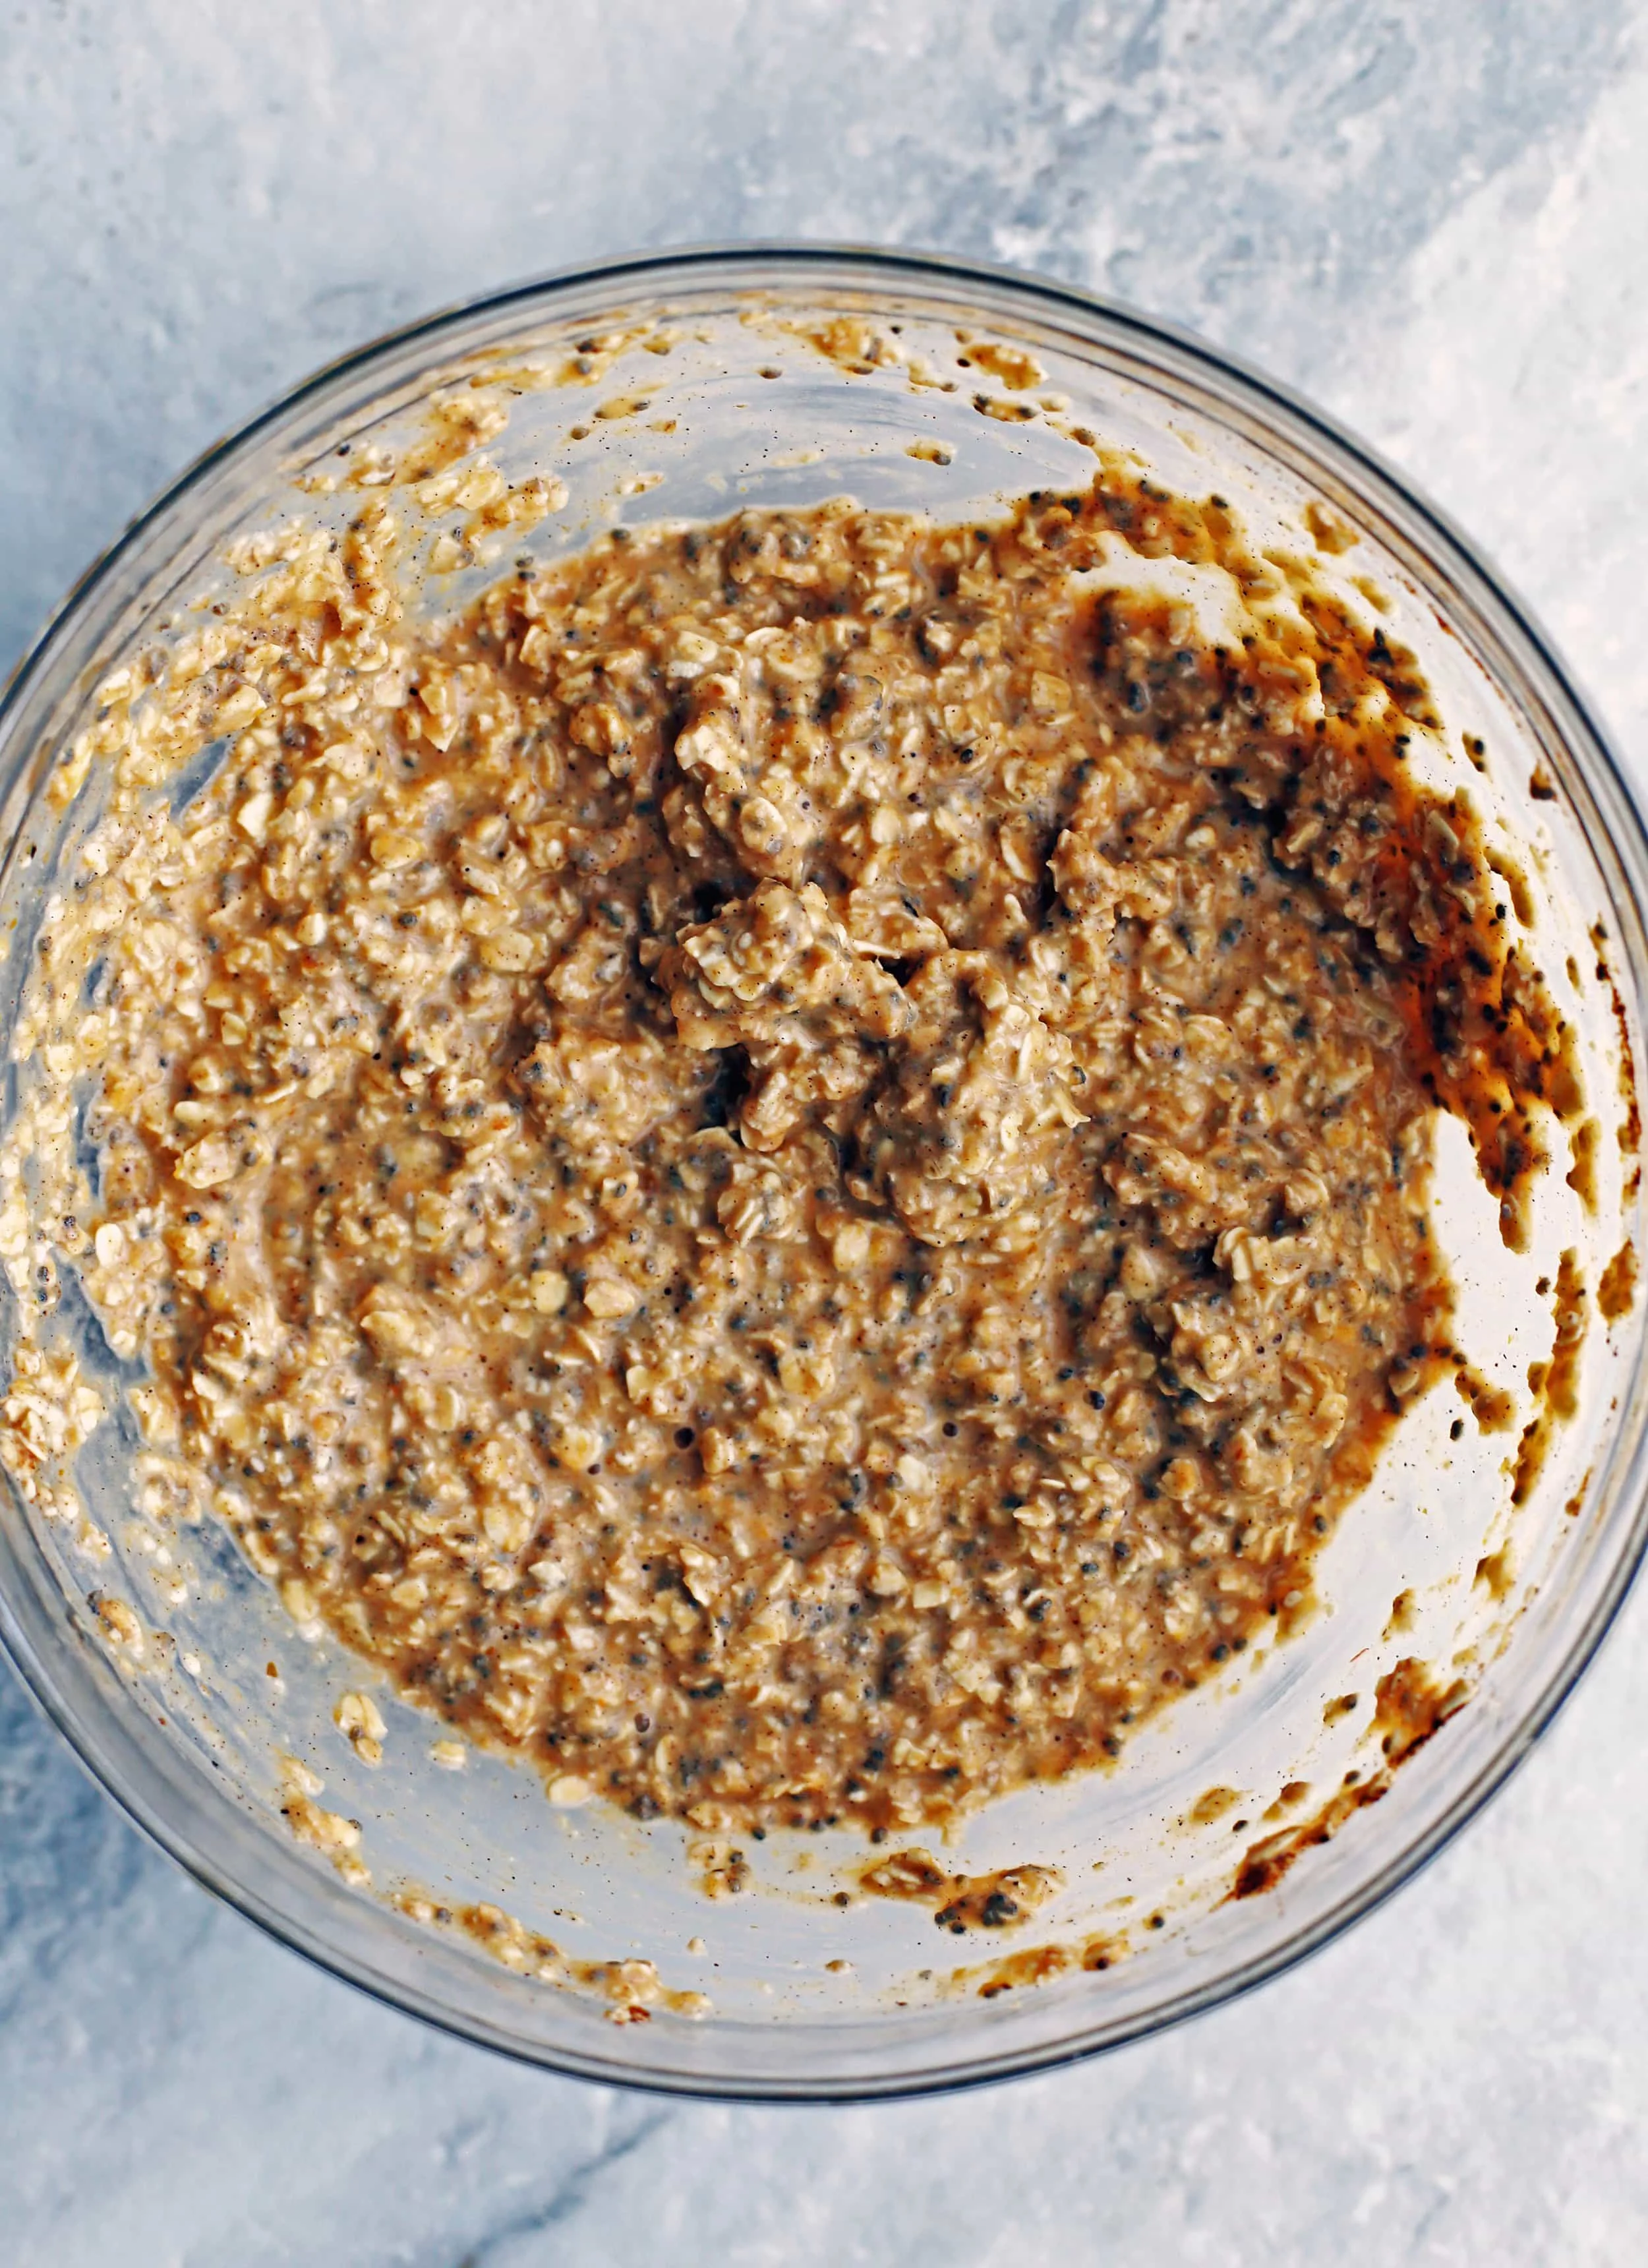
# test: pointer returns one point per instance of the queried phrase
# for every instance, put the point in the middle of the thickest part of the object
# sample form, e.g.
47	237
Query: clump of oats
783	1168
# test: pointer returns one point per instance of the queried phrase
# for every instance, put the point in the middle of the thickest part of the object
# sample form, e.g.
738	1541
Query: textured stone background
1433	217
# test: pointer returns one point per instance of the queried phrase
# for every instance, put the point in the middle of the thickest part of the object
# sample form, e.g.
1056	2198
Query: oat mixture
786	1169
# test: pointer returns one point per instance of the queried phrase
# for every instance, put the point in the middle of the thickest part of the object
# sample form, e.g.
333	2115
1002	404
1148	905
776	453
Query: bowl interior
689	390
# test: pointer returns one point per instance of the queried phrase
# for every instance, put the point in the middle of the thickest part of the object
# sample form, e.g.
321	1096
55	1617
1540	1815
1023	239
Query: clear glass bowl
812	2001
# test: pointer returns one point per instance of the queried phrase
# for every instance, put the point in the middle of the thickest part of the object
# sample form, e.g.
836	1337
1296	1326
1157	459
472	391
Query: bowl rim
1289	417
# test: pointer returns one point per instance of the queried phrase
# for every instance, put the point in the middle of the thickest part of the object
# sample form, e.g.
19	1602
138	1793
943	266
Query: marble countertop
1432	215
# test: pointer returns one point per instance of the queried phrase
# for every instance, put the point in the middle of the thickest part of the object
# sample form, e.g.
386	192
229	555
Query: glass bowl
1240	1830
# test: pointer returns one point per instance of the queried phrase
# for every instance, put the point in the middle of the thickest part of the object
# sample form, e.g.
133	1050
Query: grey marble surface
1433	217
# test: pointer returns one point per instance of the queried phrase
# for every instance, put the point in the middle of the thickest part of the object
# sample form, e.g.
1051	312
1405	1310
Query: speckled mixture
785	1169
